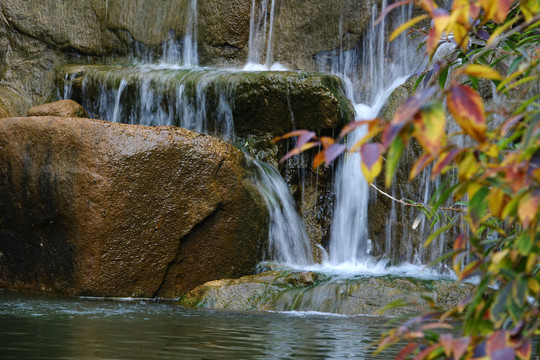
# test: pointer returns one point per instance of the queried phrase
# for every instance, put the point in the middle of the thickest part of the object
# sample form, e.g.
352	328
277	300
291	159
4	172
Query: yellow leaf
528	208
467	107
467	167
472	189
496	201
498	31
371	161
407	25
482	72
534	285
490	7
499	256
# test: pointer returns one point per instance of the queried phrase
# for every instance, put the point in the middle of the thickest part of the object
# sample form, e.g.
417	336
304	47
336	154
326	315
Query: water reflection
33	327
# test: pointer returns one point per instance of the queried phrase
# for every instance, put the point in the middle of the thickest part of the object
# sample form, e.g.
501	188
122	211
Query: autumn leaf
429	127
482	71
502	9
371	161
420	165
528	208
496	201
441	20
467	107
405	113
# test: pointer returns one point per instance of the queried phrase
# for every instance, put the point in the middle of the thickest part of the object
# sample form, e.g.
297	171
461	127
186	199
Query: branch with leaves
497	173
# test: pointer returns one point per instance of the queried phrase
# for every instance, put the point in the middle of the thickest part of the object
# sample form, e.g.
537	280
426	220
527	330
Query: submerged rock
61	108
282	290
94	208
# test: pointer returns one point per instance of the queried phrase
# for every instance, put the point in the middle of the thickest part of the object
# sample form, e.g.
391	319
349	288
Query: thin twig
5	20
402	201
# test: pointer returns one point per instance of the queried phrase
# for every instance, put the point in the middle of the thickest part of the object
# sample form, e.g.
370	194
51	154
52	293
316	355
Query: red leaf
461	242
424	353
460	347
524	352
405	113
496	341
406	351
467	107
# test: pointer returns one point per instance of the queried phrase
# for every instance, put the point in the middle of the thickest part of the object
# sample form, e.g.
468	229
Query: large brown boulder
90	207
61	108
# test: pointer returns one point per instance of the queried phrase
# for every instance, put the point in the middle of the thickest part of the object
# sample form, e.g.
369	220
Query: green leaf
478	208
394	154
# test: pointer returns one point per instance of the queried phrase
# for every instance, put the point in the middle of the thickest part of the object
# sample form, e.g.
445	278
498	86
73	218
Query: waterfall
349	243
288	240
261	33
190	55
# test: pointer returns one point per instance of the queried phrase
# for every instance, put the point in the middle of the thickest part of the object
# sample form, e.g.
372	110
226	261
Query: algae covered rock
90	207
209	100
282	290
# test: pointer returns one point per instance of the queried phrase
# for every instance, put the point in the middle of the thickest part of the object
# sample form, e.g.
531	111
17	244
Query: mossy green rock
310	291
265	102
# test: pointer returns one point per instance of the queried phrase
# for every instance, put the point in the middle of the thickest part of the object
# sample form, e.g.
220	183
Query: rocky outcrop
89	207
258	103
61	108
310	291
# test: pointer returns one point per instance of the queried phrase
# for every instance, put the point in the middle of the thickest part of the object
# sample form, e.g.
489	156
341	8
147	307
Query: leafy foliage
497	171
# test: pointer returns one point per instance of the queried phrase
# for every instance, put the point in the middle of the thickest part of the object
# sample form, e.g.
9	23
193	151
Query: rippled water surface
45	327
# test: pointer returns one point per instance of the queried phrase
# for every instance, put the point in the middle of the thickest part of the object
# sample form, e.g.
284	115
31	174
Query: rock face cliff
37	35
89	207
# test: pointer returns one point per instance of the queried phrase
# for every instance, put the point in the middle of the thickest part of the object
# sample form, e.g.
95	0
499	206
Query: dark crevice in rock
181	243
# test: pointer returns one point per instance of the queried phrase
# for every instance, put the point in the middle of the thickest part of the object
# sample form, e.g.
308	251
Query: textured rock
11	104
61	108
261	103
309	291
89	207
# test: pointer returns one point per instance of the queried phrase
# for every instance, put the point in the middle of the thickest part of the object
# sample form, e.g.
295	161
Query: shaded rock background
93	208
311	291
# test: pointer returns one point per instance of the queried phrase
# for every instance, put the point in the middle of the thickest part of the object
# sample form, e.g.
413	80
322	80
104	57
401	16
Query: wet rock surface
93	208
259	103
61	108
281	290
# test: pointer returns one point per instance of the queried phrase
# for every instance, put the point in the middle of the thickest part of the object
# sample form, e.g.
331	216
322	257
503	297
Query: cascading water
261	34
349	243
288	240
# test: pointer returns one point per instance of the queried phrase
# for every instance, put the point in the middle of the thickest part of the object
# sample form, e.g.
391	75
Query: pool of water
51	327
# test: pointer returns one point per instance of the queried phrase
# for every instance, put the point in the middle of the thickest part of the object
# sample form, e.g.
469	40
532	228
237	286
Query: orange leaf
302	134
371	161
298	150
528	208
319	159
467	107
490	7
502	9
429	125
326	141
